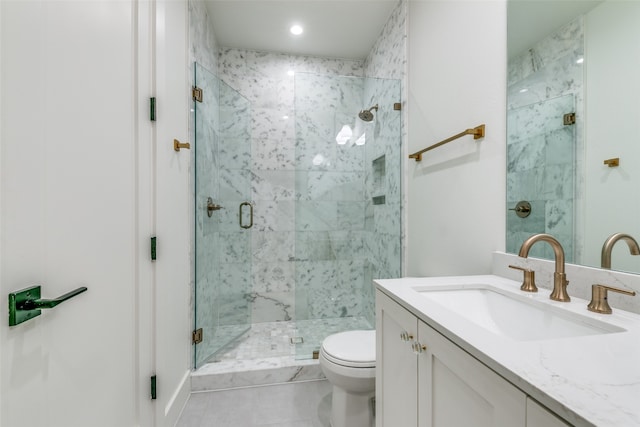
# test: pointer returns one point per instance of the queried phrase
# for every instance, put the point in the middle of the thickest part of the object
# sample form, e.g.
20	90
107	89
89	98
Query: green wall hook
26	304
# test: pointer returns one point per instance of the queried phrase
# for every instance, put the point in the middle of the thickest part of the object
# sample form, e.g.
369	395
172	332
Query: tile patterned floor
273	339
301	404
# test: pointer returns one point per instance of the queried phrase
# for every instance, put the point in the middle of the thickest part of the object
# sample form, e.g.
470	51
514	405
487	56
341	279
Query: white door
72	214
173	217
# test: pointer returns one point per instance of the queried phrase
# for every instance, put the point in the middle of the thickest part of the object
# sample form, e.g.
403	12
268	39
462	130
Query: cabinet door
457	390
539	416
397	365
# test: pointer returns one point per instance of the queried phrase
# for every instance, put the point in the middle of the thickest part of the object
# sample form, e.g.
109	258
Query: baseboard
178	400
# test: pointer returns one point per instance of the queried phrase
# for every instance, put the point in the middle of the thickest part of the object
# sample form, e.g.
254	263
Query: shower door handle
242	205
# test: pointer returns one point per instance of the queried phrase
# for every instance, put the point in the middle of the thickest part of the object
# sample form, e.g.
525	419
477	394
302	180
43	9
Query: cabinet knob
418	348
406	336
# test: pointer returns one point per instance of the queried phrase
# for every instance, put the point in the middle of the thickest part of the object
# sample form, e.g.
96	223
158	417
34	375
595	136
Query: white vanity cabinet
539	416
425	380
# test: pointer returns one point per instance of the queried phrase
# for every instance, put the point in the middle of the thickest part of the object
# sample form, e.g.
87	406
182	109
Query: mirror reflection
573	127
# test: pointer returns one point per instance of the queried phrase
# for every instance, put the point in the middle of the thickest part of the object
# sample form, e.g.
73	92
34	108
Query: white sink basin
514	316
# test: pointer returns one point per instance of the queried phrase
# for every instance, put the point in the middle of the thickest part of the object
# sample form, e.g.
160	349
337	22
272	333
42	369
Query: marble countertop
591	380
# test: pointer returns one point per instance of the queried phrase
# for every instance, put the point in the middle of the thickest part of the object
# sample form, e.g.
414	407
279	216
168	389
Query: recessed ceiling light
296	30
291	73
580	61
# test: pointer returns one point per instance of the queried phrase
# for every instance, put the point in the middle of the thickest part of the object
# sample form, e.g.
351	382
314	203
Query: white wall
457	80
612	129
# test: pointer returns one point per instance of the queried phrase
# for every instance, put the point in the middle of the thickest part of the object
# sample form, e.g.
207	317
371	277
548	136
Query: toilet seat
354	349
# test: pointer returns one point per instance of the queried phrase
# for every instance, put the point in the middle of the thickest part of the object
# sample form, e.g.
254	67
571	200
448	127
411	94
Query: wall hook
612	163
177	145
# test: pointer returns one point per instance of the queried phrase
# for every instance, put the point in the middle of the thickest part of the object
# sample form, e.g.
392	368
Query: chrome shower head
367	115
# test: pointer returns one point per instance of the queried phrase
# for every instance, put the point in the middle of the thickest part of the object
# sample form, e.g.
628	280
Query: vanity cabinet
539	416
425	380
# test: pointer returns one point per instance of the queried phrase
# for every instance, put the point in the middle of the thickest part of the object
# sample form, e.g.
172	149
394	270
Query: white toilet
348	360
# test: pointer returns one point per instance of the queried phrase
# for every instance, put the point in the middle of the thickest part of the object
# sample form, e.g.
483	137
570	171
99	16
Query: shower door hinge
153	248
196	336
154	394
196	93
569	119
152	109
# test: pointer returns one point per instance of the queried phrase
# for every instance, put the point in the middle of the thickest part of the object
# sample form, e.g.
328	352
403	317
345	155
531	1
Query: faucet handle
529	281
599	302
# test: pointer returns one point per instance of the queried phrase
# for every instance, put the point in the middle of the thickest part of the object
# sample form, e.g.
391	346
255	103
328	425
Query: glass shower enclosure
326	195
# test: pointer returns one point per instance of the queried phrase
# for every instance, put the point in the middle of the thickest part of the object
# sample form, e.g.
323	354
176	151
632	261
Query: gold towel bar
477	132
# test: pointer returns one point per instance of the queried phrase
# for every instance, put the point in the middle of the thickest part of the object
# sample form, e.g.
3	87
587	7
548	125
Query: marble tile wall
387	60
330	186
291	226
546	82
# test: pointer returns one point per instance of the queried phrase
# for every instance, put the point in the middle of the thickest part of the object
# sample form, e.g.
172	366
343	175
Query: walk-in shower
325	216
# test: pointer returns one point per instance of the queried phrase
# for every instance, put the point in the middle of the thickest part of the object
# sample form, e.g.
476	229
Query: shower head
367	115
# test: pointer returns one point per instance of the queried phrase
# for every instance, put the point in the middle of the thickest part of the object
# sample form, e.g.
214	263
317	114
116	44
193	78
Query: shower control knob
522	209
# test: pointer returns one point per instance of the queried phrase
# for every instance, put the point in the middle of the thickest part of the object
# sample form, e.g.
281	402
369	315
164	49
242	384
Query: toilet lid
351	348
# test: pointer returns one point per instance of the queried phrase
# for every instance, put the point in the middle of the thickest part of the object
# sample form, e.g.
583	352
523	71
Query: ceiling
529	21
337	29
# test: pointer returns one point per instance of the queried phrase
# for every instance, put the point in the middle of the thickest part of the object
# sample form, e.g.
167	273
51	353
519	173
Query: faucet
560	282
634	249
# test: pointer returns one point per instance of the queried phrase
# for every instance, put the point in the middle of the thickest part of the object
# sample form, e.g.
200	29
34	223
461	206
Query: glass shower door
348	202
223	273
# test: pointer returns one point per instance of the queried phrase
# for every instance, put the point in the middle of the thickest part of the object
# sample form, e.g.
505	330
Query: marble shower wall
330	218
387	60
545	83
277	265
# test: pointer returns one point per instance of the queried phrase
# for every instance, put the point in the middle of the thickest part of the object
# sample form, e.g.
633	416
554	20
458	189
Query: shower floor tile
265	354
274	339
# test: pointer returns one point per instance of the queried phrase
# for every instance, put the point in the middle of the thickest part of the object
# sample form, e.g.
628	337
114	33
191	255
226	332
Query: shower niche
378	166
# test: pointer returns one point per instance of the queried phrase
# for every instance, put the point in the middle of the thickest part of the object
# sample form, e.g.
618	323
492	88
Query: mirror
572	109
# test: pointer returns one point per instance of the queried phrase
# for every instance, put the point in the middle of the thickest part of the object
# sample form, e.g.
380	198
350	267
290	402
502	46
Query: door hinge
154	394
152	109
196	93
569	119
196	336
153	248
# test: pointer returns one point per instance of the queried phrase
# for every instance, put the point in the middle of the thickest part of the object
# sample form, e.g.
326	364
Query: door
75	212
223	214
457	390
